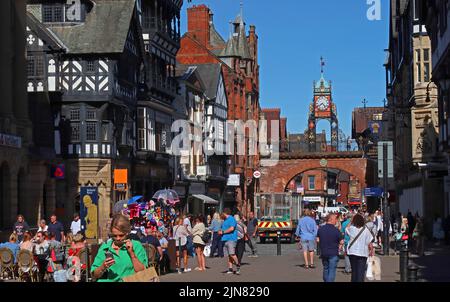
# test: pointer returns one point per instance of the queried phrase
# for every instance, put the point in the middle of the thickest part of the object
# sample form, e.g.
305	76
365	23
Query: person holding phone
119	257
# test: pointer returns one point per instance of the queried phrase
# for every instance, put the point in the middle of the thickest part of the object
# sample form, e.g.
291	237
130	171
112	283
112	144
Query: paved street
271	268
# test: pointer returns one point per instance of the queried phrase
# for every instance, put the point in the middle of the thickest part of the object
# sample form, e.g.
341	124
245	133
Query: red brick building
274	114
202	44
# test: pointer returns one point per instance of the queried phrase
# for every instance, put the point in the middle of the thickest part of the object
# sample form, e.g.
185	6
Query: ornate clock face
323	103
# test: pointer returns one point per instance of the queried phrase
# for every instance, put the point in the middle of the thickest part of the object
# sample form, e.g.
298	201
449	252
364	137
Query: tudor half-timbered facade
202	164
86	62
154	167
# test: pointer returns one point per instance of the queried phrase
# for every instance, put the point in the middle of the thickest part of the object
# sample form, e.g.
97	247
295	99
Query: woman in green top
119	257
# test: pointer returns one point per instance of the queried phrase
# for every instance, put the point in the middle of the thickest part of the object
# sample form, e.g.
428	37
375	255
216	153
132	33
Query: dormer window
52	13
63	13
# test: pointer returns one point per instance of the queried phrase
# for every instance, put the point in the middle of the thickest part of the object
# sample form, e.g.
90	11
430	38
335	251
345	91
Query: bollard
278	243
404	263
413	271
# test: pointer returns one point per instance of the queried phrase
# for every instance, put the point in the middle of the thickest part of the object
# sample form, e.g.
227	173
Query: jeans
190	246
329	268
359	265
252	244
217	244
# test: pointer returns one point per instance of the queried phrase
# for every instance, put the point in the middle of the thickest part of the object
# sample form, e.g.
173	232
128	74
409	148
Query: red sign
58	171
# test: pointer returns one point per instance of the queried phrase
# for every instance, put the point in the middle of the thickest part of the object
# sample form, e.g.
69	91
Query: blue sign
373	192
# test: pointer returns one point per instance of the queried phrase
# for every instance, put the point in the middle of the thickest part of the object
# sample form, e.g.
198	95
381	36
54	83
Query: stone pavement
272	268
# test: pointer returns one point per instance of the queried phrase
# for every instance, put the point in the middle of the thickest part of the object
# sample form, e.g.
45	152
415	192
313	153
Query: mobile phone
108	254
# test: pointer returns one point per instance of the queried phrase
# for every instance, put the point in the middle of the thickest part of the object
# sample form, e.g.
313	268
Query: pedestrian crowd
356	235
56	254
49	248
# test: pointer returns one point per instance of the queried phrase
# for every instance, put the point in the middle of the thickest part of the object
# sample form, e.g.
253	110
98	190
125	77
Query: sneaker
238	270
187	270
179	271
229	272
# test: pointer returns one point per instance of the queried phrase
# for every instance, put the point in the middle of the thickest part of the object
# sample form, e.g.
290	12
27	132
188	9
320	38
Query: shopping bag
207	250
147	275
369	272
376	268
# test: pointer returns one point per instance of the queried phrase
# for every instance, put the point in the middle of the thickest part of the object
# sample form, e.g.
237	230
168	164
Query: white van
325	211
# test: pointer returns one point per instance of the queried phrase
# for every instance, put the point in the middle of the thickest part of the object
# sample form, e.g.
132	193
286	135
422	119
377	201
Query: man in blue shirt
229	237
56	228
330	241
307	231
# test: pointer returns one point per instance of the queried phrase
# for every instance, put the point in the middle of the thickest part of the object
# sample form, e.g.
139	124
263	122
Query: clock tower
322	107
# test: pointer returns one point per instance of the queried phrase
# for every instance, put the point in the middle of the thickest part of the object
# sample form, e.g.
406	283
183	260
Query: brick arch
276	178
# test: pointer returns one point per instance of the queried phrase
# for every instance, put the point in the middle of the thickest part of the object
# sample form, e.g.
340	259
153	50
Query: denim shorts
230	247
309	245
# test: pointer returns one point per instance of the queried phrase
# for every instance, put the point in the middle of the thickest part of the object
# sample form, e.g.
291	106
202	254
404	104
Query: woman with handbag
120	257
198	231
359	248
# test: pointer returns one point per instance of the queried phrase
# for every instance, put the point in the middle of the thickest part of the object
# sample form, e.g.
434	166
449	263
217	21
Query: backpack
206	236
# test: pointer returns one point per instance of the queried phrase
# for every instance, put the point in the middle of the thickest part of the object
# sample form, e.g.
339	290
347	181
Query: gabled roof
210	75
48	36
216	39
190	73
104	31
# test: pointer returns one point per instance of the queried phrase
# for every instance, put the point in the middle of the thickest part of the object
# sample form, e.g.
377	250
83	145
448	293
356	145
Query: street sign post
373	192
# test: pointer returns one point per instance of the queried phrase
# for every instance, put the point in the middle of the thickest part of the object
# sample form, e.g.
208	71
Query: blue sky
294	34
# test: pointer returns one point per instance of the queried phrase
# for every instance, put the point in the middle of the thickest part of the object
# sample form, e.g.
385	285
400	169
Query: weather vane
365	103
322	64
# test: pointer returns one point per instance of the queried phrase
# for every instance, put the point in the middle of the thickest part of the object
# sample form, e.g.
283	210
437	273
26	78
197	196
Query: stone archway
276	178
5	196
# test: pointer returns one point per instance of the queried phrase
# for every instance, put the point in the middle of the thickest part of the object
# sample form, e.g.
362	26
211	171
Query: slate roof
210	75
237	45
104	31
216	39
230	49
50	38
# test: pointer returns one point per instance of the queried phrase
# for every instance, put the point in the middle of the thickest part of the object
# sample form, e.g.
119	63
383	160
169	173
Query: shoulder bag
146	275
356	238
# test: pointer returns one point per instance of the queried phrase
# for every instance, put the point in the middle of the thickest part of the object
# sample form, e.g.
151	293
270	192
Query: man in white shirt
75	227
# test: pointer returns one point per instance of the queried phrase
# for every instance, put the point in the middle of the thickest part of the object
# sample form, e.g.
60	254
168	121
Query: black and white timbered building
86	62
154	166
203	175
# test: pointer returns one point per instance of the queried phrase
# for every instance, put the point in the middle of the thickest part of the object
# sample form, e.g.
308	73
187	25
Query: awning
206	199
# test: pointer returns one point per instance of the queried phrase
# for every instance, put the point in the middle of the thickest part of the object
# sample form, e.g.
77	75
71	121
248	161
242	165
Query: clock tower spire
322	107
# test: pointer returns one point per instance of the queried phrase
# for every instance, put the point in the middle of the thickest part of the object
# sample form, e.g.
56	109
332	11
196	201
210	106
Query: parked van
325	211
